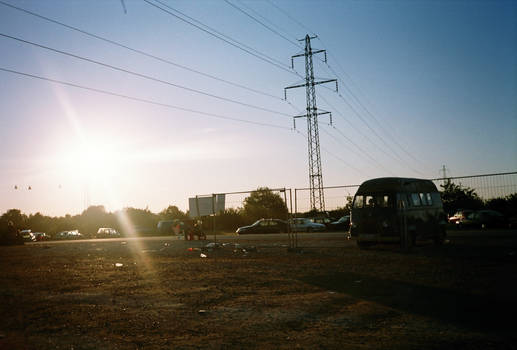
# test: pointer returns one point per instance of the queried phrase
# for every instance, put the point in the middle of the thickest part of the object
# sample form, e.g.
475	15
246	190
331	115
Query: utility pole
315	174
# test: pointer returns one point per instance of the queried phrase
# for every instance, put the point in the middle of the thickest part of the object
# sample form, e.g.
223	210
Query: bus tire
439	239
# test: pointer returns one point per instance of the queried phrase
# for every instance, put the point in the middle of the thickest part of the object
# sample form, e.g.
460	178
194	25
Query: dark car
483	219
264	226
342	224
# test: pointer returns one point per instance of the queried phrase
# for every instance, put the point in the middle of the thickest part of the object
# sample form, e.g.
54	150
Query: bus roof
396	184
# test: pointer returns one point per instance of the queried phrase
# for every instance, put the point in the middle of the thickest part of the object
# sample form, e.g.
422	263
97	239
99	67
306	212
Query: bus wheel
407	241
439	239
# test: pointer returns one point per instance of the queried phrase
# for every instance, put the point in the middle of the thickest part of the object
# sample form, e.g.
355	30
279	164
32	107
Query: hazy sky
421	84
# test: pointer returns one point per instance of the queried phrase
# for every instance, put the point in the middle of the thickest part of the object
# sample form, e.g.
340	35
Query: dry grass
73	296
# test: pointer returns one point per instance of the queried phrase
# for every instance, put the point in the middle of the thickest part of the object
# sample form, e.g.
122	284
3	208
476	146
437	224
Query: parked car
73	234
325	221
305	225
41	236
461	214
107	232
483	219
28	236
264	226
512	222
342	224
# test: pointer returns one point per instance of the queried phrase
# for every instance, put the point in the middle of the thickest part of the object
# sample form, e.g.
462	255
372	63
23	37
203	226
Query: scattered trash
331	292
202	312
193	249
202	255
123	243
119	265
166	244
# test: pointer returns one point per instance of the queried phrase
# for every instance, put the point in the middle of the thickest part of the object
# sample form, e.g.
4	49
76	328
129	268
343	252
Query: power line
359	148
373	117
262	23
355	128
138	99
291	18
279	29
333	155
144	76
353	95
163	60
221	36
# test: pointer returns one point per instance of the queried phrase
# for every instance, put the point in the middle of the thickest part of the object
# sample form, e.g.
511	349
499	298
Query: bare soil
158	294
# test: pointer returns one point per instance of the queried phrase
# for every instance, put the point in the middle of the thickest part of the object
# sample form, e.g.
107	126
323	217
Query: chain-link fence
255	211
486	186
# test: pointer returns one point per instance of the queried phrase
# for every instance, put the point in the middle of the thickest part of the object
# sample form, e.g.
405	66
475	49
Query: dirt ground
158	294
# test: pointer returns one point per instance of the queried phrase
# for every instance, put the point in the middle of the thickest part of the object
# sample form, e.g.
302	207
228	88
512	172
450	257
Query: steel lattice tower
317	197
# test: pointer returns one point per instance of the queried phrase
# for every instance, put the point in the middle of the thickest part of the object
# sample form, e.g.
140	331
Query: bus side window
401	201
369	201
429	199
423	199
415	200
383	201
436	197
358	202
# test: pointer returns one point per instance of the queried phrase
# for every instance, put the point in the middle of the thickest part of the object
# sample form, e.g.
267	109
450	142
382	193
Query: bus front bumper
377	238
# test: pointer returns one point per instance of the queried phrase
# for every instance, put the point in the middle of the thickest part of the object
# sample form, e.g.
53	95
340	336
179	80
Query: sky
422	84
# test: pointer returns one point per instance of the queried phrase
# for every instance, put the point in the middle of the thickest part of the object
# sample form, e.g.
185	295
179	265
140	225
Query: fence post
213	220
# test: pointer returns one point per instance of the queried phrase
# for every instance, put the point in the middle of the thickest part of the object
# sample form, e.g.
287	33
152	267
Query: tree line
262	203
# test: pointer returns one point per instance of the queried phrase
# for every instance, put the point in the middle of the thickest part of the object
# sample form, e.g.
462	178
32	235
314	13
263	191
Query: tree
456	197
172	212
263	203
15	215
506	205
230	219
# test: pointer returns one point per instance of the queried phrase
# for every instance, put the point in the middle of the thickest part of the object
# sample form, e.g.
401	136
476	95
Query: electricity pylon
317	197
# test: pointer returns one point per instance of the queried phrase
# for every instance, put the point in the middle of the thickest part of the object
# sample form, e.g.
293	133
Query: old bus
397	210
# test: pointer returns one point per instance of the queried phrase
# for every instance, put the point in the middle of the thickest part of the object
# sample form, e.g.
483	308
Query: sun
92	162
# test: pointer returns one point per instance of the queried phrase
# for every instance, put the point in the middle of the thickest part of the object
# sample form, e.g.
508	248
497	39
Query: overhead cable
163	60
140	75
221	36
349	166
398	159
143	100
359	148
373	117
262	24
291	17
353	95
